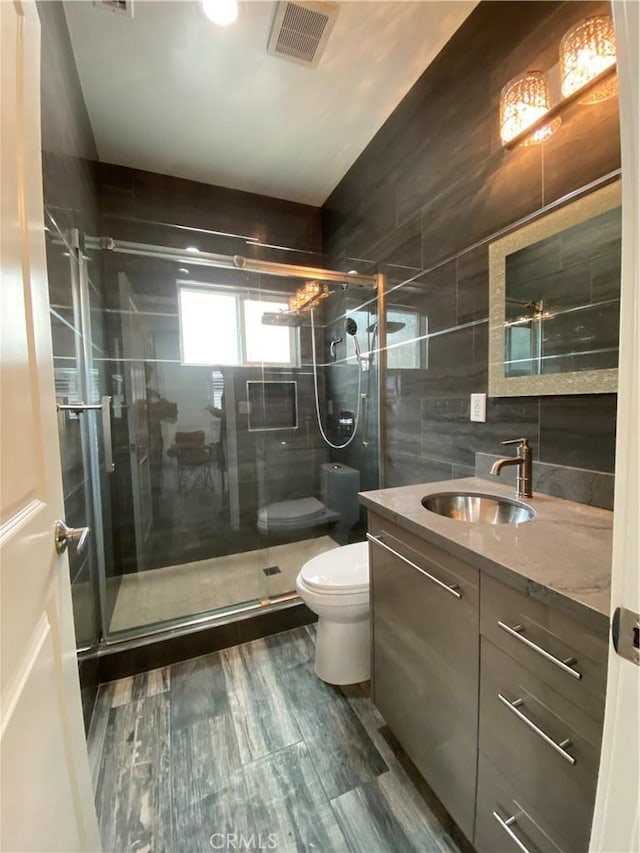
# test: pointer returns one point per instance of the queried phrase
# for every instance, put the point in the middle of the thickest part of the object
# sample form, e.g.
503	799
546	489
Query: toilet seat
340	571
294	514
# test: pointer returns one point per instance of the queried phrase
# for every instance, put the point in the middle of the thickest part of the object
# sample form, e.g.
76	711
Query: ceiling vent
300	31
121	7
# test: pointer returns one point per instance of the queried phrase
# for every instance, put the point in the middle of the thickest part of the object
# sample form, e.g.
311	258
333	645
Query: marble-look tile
287	801
579	431
402	469
595	488
261	714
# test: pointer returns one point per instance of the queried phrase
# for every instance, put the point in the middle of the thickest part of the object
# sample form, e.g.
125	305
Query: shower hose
315	388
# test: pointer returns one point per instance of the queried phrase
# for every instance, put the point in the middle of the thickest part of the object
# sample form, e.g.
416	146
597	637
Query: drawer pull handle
452	590
506	826
560	748
564	665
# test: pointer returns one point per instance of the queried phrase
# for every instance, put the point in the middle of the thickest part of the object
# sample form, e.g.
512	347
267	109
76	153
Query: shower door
200	462
135	385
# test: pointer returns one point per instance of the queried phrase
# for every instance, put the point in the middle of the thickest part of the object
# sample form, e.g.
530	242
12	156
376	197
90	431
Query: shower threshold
220	586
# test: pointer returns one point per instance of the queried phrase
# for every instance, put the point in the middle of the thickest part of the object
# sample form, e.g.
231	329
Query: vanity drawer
546	746
432	559
505	823
565	654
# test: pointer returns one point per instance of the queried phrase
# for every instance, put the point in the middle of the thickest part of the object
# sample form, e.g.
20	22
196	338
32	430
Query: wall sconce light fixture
587	50
523	102
587	74
308	296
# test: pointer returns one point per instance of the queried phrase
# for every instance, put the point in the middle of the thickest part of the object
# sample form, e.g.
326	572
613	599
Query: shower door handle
105	406
364	432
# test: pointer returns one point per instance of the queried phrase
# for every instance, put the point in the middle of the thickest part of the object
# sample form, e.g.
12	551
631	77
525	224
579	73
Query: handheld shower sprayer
351	328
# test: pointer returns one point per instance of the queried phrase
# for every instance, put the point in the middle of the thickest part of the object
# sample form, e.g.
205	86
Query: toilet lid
344	569
300	509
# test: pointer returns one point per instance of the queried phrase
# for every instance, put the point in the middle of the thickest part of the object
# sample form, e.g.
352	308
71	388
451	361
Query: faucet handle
523	442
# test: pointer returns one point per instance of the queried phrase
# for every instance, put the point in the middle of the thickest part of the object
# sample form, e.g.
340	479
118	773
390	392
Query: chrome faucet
524	463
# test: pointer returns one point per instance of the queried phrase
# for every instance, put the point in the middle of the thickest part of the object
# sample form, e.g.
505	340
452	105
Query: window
225	327
208	327
406	331
268	344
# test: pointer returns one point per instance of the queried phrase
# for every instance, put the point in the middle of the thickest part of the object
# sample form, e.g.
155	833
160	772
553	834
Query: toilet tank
339	487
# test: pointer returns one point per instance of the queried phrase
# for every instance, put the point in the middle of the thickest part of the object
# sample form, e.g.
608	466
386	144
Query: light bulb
221	12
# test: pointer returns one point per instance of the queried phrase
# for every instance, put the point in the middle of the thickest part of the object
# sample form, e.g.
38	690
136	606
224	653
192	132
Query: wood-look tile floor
246	749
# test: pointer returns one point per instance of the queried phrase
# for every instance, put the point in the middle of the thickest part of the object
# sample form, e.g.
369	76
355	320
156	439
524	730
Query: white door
46	801
616	826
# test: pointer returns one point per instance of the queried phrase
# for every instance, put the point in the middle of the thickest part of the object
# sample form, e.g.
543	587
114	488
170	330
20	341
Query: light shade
587	50
221	12
523	101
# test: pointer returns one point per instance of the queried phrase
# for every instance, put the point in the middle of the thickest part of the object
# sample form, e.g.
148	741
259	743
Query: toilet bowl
335	586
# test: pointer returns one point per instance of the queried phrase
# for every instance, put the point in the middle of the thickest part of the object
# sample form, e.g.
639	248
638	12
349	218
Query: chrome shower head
351	327
393	326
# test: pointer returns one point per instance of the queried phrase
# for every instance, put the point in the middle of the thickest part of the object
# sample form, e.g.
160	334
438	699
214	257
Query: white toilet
335	585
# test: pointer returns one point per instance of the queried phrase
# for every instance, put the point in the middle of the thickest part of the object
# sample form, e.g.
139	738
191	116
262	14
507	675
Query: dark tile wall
434	182
142	206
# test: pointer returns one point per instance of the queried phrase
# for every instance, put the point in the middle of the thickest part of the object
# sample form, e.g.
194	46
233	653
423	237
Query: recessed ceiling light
192	249
183	270
221	12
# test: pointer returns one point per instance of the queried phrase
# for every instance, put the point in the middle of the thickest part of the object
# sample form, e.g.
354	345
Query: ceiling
170	92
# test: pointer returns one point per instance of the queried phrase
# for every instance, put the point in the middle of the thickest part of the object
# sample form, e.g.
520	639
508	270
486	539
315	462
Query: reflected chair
194	462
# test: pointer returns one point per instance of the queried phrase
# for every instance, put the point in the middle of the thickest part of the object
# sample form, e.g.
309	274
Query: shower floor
157	595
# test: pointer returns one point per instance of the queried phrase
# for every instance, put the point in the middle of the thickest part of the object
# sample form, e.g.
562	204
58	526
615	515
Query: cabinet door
425	664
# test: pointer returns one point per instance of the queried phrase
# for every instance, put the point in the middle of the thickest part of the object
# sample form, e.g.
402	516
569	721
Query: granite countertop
561	556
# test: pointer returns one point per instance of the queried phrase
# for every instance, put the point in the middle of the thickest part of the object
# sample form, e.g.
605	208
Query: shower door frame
177	626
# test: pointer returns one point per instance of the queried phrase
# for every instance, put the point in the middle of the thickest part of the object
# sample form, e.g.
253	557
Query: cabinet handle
514	707
452	590
506	826
564	665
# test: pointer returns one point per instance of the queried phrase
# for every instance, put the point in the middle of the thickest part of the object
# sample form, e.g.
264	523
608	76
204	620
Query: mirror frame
572	382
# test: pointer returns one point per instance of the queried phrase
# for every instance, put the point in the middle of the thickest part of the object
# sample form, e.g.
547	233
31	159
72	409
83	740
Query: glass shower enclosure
210	480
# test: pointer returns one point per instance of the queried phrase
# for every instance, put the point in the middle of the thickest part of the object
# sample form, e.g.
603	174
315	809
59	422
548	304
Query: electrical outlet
478	409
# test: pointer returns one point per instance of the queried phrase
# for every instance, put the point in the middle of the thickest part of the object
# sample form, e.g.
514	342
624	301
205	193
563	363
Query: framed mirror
554	301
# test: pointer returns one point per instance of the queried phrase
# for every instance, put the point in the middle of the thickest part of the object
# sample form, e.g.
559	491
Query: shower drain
272	570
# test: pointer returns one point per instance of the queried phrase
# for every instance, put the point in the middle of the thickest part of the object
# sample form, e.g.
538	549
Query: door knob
63	535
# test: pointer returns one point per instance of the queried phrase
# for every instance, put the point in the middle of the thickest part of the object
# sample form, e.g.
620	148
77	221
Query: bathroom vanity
489	656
